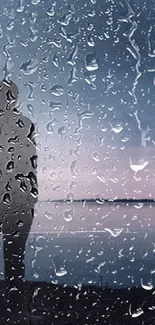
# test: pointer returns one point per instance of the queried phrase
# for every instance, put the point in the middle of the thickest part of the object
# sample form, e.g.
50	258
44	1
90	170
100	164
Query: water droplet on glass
90	26
60	272
8	186
149	286
139	166
48	215
32	178
57	90
33	17
90	79
90	40
20	223
34	192
36	275
72	77
101	177
13	140
72	56
33	161
114	232
55	60
29	67
10	166
35	2
19	177
33	34
30	109
91	259
6	198
116	126
30	96
73	168
54	41
91	62
49	127
24	42
20	123
98	269
69	197
65	19
1	31
43	88
51	10
82	116
73	185
23	186
20	6
23	21
91	13
36	292
103	128
68	215
58	264
55	106
8	67
56	188
62	131
96	156
11	14
137	313
10	26
138	205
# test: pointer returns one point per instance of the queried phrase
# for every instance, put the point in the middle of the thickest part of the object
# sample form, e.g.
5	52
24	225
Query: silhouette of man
18	191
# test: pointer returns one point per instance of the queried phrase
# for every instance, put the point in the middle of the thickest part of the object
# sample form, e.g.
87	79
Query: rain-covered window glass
77	161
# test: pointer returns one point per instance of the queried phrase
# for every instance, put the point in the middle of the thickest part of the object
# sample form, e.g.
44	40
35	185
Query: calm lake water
92	243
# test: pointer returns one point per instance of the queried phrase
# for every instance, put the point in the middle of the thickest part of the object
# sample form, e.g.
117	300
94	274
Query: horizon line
101	200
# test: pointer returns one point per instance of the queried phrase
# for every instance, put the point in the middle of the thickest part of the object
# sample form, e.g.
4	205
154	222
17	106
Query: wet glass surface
77	162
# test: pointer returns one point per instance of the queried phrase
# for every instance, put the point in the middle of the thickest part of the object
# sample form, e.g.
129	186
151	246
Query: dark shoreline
103	201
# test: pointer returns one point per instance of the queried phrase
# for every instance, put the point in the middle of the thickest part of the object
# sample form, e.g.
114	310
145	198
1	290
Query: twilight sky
86	77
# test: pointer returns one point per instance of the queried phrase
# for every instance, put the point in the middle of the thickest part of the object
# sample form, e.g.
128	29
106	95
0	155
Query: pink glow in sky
112	175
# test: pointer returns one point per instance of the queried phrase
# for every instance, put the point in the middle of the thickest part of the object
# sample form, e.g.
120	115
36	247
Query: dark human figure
18	194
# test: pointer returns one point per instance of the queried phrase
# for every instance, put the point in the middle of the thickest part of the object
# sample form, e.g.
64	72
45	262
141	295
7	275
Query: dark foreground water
93	244
126	260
